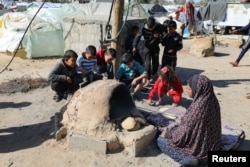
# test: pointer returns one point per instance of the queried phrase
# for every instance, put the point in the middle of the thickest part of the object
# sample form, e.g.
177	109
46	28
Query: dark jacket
172	41
61	71
245	29
150	41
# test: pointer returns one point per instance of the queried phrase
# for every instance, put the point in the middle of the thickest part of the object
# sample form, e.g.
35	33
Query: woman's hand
163	132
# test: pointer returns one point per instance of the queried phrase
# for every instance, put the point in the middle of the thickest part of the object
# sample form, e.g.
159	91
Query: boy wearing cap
172	43
63	77
131	73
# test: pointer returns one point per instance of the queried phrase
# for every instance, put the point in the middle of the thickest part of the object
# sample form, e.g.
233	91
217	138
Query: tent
45	35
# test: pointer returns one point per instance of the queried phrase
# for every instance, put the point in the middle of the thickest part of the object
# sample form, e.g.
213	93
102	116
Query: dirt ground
27	130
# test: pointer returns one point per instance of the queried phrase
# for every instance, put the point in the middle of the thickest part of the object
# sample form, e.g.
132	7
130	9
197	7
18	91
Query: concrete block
141	140
79	141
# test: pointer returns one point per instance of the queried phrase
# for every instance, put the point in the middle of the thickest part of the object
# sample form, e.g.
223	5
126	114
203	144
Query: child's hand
168	93
84	72
234	31
68	80
171	51
149	101
134	82
134	50
159	102
156	35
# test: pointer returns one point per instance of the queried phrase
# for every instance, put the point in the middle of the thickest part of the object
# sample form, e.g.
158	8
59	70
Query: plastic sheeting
45	35
44	40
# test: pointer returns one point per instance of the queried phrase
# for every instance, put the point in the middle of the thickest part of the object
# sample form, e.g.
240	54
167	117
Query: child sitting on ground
63	78
104	61
87	65
132	74
166	83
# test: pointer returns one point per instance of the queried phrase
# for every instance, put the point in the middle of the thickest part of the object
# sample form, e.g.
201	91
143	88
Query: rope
122	27
20	43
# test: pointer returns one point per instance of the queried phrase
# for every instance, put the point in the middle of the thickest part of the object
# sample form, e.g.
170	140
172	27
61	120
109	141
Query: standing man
245	47
188	9
151	34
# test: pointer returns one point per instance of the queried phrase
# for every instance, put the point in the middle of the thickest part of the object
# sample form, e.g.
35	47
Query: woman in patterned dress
199	130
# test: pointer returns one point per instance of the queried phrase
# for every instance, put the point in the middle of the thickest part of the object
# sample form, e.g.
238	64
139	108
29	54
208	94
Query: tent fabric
158	9
45	35
215	11
103	8
46	29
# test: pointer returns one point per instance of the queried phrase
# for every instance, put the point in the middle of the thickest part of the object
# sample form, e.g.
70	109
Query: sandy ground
26	128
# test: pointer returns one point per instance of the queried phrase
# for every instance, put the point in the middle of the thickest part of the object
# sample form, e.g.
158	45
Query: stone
76	141
61	133
137	141
202	47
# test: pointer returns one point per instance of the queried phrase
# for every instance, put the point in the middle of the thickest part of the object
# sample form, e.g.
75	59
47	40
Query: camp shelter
44	38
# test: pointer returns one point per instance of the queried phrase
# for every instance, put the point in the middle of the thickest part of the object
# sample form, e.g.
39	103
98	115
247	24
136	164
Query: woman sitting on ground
199	130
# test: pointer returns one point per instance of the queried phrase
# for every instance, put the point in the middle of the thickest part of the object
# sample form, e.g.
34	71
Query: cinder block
143	142
77	141
145	136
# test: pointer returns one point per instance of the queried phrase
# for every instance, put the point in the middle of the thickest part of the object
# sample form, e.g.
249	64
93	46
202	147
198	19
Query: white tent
45	35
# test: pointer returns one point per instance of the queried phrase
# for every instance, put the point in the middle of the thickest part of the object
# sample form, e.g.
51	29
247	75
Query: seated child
63	78
87	64
104	61
131	73
167	83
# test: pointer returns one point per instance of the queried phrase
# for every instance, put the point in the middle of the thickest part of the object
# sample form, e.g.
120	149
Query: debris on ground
23	84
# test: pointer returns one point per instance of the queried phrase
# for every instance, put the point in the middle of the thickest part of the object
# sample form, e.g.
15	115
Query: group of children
75	71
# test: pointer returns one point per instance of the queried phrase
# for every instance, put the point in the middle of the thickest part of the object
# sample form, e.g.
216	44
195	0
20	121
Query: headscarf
200	128
192	82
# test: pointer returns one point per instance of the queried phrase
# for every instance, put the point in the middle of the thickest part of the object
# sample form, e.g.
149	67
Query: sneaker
69	96
234	64
174	105
158	103
151	80
57	98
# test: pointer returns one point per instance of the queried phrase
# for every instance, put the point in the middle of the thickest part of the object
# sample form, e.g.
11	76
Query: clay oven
94	115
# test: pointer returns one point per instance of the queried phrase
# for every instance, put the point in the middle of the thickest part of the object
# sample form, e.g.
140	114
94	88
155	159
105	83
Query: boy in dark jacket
63	78
129	44
172	42
151	33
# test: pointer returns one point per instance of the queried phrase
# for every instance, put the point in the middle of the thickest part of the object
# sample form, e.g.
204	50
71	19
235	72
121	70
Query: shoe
234	64
174	105
158	103
57	98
